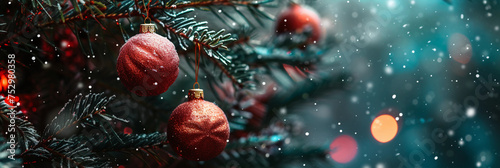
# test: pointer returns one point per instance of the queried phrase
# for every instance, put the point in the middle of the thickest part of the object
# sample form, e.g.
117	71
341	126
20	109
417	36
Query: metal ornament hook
194	85
147	18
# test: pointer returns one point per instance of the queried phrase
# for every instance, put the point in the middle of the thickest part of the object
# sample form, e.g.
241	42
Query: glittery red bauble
198	130
296	18
148	64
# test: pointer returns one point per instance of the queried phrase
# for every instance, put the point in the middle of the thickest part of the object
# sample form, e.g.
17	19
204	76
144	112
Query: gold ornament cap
147	28
195	94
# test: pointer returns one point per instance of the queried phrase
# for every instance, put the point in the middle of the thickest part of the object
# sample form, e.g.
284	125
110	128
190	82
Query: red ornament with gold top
148	63
296	18
197	129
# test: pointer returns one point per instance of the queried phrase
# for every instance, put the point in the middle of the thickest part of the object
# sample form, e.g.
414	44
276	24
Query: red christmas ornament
67	42
64	48
198	130
148	63
296	18
127	130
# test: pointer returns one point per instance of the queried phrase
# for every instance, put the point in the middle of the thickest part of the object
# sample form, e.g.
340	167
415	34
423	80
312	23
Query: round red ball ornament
296	18
197	129
148	63
68	43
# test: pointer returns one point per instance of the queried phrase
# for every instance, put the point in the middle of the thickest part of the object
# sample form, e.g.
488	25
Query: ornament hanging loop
195	84
147	12
147	27
147	18
197	55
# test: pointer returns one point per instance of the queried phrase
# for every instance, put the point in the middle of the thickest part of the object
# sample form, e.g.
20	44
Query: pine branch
211	41
251	5
102	9
292	91
264	56
111	143
239	119
94	9
253	151
112	12
283	49
66	153
242	39
90	150
26	134
5	161
195	32
1	25
74	153
152	145
253	141
272	150
107	146
239	73
203	3
163	13
63	14
83	110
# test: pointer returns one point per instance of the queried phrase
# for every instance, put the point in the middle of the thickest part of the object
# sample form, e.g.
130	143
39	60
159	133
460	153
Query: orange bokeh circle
384	128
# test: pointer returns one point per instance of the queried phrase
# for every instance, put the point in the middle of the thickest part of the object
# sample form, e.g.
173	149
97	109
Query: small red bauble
148	63
198	130
296	18
68	43
65	46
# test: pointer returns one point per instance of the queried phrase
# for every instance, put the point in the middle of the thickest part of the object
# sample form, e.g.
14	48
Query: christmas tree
71	48
248	83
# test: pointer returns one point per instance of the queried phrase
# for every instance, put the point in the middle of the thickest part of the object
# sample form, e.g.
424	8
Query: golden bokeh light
384	128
